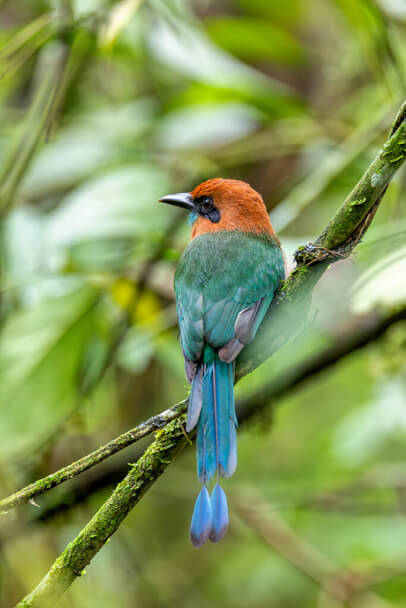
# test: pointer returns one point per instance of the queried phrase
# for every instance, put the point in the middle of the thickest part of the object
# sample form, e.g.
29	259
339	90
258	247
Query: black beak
182	199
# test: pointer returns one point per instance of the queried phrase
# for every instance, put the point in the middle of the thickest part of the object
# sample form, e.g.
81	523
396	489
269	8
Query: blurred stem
25	43
48	99
15	167
120	15
339	238
328	169
346	587
357	332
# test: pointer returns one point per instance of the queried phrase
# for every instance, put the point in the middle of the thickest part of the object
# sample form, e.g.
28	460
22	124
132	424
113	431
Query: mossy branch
335	243
357	333
90	460
71	563
338	240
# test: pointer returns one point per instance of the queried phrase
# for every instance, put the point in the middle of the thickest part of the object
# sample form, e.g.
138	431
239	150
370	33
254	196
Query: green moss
360	201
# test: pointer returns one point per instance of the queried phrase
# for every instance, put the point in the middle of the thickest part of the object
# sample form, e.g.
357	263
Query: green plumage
219	275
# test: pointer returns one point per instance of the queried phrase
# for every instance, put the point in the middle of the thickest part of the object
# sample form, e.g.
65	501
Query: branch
83	464
70	564
356	333
336	241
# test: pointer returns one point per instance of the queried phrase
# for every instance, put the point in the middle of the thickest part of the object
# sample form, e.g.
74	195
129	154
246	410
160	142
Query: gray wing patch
190	368
244	324
246	327
231	350
249	319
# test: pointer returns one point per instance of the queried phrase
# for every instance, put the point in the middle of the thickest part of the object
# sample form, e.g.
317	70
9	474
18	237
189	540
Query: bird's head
224	204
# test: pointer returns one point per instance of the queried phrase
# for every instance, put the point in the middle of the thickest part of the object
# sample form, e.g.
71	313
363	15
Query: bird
224	284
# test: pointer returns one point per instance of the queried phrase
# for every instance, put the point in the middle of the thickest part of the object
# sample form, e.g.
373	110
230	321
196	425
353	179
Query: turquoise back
219	275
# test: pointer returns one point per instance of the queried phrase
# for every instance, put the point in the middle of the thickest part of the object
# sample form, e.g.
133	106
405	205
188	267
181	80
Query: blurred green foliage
106	106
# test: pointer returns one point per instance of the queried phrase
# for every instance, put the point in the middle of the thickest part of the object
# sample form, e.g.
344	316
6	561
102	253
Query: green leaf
39	359
92	140
120	203
207	125
383	284
255	39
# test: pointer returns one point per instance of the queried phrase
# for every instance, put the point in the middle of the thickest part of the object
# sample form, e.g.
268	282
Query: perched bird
224	284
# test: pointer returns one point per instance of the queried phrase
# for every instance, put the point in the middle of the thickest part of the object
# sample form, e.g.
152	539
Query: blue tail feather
216	431
212	404
232	454
207	421
201	526
219	510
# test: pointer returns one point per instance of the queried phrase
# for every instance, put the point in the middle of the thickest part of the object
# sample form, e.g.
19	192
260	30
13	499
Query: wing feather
224	286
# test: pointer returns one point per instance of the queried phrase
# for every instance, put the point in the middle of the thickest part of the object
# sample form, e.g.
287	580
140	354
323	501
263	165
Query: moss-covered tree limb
338	239
90	460
335	242
356	333
70	564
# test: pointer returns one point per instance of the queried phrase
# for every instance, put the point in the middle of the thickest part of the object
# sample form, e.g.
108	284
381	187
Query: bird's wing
224	286
234	311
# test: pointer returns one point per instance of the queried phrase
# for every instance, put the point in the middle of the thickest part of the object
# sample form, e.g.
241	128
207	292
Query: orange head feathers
224	204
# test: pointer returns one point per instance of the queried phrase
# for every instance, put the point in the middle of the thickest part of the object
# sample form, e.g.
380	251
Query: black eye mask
205	206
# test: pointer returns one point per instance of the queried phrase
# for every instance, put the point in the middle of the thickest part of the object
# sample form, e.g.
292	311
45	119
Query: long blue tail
211	406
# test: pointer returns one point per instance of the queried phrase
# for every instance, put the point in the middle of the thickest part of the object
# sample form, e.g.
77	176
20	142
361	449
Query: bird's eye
206	204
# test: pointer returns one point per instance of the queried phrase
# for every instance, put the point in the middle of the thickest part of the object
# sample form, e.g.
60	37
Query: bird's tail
211	406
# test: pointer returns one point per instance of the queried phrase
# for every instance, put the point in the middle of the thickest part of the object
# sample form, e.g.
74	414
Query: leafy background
105	107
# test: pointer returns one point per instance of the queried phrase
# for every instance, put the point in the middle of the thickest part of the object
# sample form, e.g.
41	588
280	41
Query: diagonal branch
90	460
70	564
356	333
338	239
